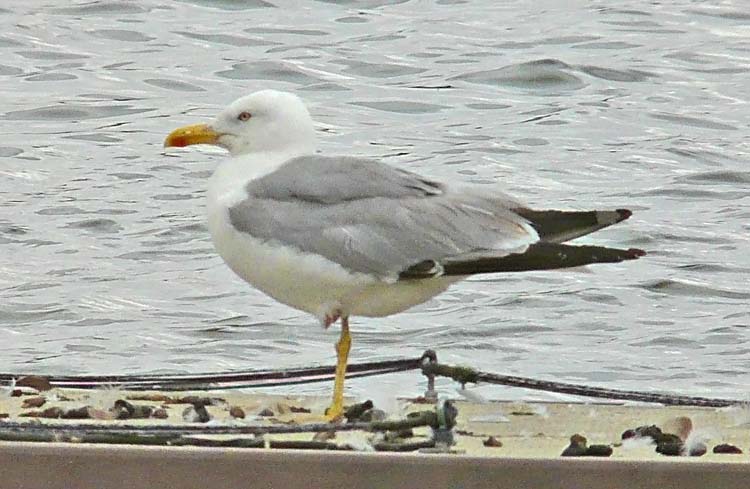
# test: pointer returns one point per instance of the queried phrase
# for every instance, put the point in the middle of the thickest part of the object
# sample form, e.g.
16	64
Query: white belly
312	283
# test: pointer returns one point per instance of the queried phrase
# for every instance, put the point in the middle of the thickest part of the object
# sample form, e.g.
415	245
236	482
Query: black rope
468	375
428	363
230	380
604	393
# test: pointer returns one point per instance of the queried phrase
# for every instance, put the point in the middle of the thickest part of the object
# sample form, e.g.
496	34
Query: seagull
341	236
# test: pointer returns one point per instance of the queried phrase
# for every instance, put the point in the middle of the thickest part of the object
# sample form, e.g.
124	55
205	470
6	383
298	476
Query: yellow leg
342	356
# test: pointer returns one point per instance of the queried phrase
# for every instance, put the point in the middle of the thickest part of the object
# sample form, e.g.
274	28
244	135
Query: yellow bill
193	134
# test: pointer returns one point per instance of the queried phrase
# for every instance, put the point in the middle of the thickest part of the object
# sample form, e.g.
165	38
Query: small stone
4	415
126	410
33	402
355	411
266	412
670	448
599	451
196	413
492	442
727	448
76	413
123	409
51	412
142	412
203	414
237	412
628	434
16	393
196	400
296	409
577	447
160	413
120	413
35	381
651	430
668	438
698	450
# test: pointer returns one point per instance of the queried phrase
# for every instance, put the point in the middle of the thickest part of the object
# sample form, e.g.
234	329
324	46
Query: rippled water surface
106	265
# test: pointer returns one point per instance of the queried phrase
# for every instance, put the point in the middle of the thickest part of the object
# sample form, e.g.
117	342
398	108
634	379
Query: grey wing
372	218
384	236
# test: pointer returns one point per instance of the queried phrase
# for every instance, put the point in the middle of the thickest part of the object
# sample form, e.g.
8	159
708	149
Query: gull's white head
265	121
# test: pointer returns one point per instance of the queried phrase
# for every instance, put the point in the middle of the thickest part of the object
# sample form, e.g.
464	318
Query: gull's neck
228	181
250	166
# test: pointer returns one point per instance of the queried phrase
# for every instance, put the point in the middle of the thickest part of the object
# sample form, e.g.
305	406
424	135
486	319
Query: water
105	261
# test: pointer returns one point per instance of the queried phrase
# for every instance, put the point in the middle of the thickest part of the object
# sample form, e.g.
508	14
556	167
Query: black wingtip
624	214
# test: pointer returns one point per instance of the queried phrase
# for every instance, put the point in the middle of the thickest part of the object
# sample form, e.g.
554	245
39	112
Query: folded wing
374	219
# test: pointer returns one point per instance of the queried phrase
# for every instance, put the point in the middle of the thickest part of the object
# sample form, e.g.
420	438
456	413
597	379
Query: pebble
142	412
203	414
160	413
35	381
599	451
355	411
196	413
196	400
33	402
76	413
492	442
698	450
677	448
50	412
577	447
237	412
671	448
123	409
266	412
650	430
727	448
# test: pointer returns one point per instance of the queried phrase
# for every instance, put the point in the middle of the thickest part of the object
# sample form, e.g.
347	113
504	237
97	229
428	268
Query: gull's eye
244	116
